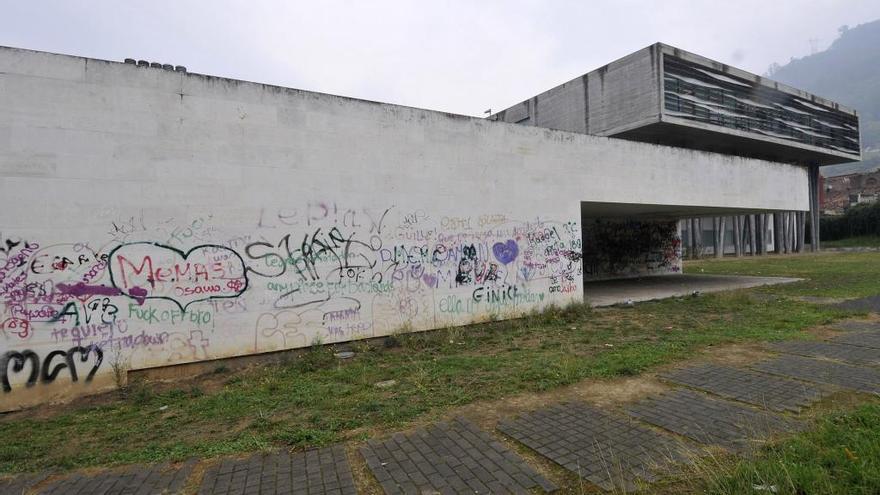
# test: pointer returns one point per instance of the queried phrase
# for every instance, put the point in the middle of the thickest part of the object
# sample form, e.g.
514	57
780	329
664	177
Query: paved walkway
607	449
449	458
732	408
619	291
314	471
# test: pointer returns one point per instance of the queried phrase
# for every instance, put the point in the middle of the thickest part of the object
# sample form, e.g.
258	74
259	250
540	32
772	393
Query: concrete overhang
680	133
592	209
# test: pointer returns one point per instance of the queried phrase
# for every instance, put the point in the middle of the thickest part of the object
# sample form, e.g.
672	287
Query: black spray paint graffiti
471	270
346	252
332	256
54	363
7	246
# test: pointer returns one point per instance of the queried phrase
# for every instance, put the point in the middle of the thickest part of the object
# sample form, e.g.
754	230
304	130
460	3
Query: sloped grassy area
315	399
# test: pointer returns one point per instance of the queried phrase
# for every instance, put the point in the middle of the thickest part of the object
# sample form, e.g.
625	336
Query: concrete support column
697	237
759	234
778	234
737	235
801	229
814	208
753	238
718	225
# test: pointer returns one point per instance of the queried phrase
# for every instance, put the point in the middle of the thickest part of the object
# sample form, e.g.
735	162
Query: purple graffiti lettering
80	289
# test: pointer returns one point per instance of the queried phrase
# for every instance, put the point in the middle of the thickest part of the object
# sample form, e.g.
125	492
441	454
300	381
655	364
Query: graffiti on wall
615	248
53	364
154	290
146	270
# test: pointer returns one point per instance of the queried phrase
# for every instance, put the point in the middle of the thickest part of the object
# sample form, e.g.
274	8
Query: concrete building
668	96
156	217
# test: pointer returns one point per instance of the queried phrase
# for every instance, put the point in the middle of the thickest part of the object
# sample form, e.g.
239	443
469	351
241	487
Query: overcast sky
458	56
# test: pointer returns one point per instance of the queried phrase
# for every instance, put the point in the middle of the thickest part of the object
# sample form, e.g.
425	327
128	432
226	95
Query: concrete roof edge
453	116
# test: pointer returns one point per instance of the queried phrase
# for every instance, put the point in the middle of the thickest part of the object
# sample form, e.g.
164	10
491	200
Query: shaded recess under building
667	96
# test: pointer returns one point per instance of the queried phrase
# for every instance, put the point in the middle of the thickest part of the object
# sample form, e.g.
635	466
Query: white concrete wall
167	218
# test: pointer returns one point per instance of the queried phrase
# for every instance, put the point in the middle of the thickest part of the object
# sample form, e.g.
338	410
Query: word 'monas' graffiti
152	271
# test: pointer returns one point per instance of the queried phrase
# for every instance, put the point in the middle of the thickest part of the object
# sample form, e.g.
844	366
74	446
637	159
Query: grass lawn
840	457
861	241
315	399
825	274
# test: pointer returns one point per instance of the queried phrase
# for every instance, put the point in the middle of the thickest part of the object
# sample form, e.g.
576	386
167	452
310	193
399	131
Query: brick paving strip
314	472
135	480
857	325
610	451
449	458
840	352
860	339
19	484
768	391
710	421
870	303
813	370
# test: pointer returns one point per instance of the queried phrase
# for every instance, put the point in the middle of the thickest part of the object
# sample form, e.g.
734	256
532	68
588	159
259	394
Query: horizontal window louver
704	95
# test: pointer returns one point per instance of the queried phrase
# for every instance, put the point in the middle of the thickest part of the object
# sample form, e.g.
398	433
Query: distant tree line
860	220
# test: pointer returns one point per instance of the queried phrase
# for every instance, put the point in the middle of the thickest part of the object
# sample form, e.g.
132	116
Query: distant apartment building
845	191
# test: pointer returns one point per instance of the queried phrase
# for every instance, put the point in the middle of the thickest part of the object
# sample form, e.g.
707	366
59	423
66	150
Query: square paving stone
710	421
610	451
314	472
140	479
860	339
449	458
857	326
768	391
848	353
813	370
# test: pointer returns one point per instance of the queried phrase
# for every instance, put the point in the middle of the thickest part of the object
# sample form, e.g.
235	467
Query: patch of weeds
262	423
120	367
315	358
235	380
397	338
140	394
304	437
453	337
550	315
391	342
576	311
841	455
362	347
418	341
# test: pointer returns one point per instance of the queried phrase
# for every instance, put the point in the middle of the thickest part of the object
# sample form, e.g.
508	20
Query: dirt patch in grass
736	355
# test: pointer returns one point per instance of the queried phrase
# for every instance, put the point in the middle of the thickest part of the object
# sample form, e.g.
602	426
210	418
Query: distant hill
847	72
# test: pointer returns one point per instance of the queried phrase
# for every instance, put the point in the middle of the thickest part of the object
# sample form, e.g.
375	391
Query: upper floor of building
664	95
